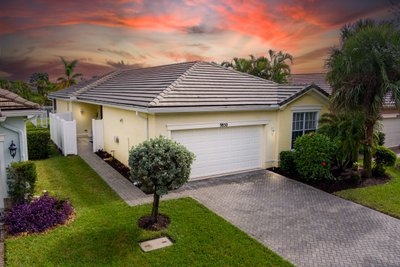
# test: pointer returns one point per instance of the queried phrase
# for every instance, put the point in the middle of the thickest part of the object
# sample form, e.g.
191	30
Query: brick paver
304	225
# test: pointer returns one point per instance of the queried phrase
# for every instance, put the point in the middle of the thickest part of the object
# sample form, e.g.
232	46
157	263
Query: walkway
304	225
125	189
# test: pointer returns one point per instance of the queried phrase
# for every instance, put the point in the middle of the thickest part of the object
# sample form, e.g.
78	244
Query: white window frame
304	109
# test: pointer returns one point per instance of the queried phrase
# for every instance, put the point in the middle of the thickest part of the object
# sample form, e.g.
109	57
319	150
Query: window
303	122
54	105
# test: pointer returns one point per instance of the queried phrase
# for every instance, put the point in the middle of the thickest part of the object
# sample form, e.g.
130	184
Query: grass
105	231
384	198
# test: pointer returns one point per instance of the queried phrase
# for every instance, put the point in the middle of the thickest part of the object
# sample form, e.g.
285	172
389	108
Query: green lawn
105	231
385	198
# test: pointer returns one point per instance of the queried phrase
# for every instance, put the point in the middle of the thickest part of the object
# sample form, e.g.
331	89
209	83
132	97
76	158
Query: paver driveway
304	225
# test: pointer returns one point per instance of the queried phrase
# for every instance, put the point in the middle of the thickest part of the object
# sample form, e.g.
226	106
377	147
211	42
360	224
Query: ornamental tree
160	165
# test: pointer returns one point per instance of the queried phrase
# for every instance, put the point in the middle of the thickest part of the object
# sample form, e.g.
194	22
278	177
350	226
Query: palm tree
70	77
239	64
347	130
274	67
279	68
362	72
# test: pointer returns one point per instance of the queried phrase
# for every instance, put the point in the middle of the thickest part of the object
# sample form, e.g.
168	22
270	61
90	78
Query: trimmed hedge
38	144
384	157
21	180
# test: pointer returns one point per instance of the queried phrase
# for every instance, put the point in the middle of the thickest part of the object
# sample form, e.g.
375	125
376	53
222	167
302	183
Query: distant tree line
40	86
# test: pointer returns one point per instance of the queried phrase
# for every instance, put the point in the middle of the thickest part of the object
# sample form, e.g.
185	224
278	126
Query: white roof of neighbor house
183	85
320	80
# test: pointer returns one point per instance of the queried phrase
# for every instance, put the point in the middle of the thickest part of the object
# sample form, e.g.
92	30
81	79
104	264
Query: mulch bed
342	182
116	164
162	222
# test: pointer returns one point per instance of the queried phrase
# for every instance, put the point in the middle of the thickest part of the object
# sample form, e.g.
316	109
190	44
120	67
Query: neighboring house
232	121
390	115
13	112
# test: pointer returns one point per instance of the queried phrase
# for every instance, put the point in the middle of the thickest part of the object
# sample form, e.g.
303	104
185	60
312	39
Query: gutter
155	110
21	138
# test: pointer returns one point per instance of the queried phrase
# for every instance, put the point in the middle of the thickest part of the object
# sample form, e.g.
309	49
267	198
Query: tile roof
320	80
10	101
181	85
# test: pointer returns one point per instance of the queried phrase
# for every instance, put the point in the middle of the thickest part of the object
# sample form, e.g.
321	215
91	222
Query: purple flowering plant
38	216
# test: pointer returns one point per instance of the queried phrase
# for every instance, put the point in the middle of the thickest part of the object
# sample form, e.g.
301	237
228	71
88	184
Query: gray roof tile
189	84
320	80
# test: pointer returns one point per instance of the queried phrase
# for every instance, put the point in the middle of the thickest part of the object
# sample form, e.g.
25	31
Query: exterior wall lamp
13	149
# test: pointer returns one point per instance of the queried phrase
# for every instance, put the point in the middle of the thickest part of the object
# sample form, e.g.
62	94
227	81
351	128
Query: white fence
39	120
98	138
63	132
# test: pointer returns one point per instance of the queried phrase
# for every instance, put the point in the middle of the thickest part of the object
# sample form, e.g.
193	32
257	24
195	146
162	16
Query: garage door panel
391	128
222	150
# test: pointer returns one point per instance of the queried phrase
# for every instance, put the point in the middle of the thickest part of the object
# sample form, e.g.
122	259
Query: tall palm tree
279	67
70	77
363	71
275	67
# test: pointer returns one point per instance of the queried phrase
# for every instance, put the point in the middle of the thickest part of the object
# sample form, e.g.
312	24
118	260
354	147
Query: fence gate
98	134
63	132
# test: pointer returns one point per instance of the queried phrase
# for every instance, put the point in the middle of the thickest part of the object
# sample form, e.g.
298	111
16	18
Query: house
232	121
390	114
13	144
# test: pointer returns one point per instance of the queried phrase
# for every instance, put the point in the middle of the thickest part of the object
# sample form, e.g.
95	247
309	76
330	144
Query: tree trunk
354	157
154	211
369	134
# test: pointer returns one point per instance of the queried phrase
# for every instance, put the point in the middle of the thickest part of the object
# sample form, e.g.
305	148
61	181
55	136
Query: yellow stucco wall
62	106
83	113
129	127
285	116
132	128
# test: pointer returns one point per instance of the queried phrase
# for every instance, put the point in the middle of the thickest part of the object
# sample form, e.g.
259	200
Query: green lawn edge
384	198
105	231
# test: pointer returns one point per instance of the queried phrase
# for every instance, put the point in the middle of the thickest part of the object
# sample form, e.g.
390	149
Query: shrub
313	155
286	162
37	216
160	165
380	138
384	157
21	179
38	144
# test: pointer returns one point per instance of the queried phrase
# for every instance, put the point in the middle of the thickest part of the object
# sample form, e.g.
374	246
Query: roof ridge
247	74
101	80
161	95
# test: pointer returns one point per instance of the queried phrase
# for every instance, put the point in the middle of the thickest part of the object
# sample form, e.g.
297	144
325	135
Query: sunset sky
110	34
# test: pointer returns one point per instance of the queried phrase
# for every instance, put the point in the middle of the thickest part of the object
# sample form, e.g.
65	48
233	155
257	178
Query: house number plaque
223	124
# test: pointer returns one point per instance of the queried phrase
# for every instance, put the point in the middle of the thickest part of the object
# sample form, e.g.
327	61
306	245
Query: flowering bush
313	155
37	216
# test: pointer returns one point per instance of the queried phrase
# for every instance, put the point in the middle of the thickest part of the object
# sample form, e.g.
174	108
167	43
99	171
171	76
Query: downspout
146	118
21	138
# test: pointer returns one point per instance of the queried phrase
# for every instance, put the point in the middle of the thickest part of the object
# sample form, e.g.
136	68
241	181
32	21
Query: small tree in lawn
160	165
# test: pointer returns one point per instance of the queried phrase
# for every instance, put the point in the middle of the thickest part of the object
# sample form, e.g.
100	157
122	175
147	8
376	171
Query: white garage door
222	150
391	128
